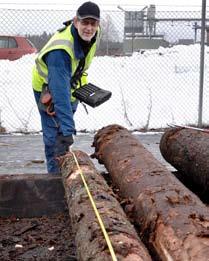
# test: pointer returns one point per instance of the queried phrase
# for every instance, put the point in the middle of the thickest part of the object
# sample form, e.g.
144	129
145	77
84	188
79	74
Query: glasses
91	22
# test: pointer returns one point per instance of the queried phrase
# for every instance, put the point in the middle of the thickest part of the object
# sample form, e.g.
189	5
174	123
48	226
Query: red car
14	47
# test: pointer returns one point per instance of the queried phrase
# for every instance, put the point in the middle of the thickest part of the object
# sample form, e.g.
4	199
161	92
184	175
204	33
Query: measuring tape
114	258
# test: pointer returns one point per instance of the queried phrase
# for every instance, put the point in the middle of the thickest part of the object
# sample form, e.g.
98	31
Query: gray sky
111	2
128	5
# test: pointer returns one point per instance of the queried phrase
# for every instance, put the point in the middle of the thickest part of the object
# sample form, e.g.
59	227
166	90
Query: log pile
90	242
170	218
188	151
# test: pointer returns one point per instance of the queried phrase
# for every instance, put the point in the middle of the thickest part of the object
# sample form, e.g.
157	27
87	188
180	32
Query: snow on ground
149	89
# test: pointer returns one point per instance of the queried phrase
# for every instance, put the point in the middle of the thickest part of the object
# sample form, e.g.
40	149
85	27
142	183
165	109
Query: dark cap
88	10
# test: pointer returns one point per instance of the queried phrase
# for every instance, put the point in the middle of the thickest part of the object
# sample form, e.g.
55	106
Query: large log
171	219
188	151
90	242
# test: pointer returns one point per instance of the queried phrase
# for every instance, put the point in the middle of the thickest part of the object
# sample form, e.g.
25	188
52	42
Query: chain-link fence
150	60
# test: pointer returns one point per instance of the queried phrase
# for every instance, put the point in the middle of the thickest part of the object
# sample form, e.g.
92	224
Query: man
60	67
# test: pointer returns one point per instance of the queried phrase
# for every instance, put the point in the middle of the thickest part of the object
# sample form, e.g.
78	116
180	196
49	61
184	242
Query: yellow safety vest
61	40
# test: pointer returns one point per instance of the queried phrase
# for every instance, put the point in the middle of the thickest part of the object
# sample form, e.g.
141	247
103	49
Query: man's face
86	28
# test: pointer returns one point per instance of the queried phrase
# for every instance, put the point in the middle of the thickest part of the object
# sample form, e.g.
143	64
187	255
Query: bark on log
188	151
90	242
170	217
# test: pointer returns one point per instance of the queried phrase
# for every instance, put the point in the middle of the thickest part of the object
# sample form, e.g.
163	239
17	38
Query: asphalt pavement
24	154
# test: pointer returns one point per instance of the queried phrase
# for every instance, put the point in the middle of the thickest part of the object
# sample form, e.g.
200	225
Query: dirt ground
41	239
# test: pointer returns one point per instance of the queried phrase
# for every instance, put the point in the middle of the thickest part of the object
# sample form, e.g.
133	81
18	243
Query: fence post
202	55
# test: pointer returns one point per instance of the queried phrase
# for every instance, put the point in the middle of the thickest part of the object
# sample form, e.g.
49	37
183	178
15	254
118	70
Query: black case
92	95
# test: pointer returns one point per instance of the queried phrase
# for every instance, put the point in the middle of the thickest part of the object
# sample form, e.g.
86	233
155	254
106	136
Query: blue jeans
50	129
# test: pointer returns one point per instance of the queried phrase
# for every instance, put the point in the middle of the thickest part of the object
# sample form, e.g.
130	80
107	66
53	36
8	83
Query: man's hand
62	144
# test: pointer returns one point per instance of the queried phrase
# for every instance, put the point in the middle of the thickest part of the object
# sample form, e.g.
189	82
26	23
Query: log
170	218
188	151
89	239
